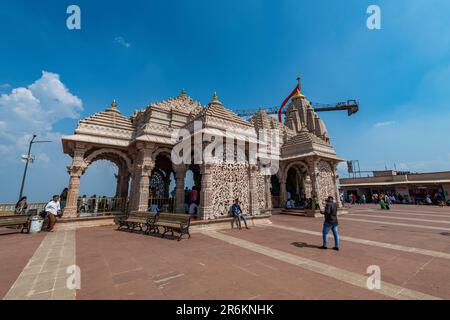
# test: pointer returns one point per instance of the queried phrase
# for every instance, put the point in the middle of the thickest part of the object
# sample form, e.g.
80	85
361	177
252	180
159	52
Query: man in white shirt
53	209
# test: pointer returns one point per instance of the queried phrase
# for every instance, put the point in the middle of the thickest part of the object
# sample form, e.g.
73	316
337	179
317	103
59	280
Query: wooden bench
138	219
16	220
172	222
6	213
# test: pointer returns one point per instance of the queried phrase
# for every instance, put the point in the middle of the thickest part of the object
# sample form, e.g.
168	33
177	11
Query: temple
142	146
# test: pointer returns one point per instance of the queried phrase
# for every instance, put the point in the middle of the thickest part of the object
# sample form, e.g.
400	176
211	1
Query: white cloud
4	149
384	124
34	110
122	41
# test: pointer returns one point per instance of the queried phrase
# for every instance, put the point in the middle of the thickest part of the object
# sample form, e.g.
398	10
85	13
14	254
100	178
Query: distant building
412	186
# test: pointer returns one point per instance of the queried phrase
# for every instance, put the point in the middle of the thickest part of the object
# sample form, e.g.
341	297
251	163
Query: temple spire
215	99
298	94
113	106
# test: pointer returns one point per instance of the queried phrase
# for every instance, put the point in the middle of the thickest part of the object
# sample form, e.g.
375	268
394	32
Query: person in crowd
330	223
354	198
84	204
236	212
63	198
21	206
302	201
363	199
315	203
383	204
154	208
375	198
392	199
53	210
428	200
193	210
94	203
290	204
194	195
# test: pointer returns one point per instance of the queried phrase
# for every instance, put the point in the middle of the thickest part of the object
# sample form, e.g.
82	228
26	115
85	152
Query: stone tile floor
410	245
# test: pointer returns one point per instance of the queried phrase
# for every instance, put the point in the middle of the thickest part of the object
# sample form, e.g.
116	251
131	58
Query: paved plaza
410	244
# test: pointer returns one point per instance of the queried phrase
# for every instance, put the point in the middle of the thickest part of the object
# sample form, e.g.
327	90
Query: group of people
303	202
96	203
51	210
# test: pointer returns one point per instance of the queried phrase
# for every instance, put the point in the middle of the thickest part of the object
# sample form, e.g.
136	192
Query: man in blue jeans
331	223
236	211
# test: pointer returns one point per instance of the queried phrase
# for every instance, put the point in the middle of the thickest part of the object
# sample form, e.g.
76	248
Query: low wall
196	225
228	223
87	222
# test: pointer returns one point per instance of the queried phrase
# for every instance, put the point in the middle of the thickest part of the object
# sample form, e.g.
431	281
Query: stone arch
97	155
160	151
295	166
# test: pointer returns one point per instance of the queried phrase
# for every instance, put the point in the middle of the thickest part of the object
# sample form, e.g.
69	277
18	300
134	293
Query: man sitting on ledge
236	212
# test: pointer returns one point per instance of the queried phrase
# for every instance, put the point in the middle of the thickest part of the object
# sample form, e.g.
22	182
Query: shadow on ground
304	245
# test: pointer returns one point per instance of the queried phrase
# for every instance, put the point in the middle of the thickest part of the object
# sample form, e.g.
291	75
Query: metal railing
99	206
164	204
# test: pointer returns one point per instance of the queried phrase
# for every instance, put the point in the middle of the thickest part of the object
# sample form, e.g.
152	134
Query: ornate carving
325	180
229	181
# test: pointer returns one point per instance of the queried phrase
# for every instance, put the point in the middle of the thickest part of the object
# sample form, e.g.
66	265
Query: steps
294	212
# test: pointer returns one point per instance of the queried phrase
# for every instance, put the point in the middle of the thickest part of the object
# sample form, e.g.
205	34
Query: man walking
236	211
53	209
331	222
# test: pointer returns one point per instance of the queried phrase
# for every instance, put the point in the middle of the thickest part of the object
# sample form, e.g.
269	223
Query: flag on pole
280	111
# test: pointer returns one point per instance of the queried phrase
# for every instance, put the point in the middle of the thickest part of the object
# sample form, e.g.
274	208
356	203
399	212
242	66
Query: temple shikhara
141	146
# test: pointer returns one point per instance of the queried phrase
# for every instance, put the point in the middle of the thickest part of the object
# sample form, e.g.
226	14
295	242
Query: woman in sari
21	206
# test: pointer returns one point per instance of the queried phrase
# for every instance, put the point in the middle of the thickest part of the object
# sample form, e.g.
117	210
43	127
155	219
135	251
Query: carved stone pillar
307	187
142	170
124	186
253	186
283	192
123	181
118	184
205	210
312	168
71	209
75	171
268	193
336	189
180	173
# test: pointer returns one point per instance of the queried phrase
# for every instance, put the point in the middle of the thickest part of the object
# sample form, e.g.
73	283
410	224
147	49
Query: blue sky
250	52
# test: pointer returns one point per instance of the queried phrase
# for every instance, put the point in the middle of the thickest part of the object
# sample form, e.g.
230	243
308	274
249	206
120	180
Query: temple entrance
275	191
294	189
162	185
192	189
298	186
104	190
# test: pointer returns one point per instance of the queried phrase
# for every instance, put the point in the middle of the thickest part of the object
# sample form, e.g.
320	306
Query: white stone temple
141	146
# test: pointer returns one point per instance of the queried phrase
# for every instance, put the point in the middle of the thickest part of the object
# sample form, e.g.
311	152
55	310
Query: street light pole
26	167
26	164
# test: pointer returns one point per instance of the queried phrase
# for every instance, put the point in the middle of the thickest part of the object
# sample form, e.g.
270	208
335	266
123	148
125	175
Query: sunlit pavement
409	245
